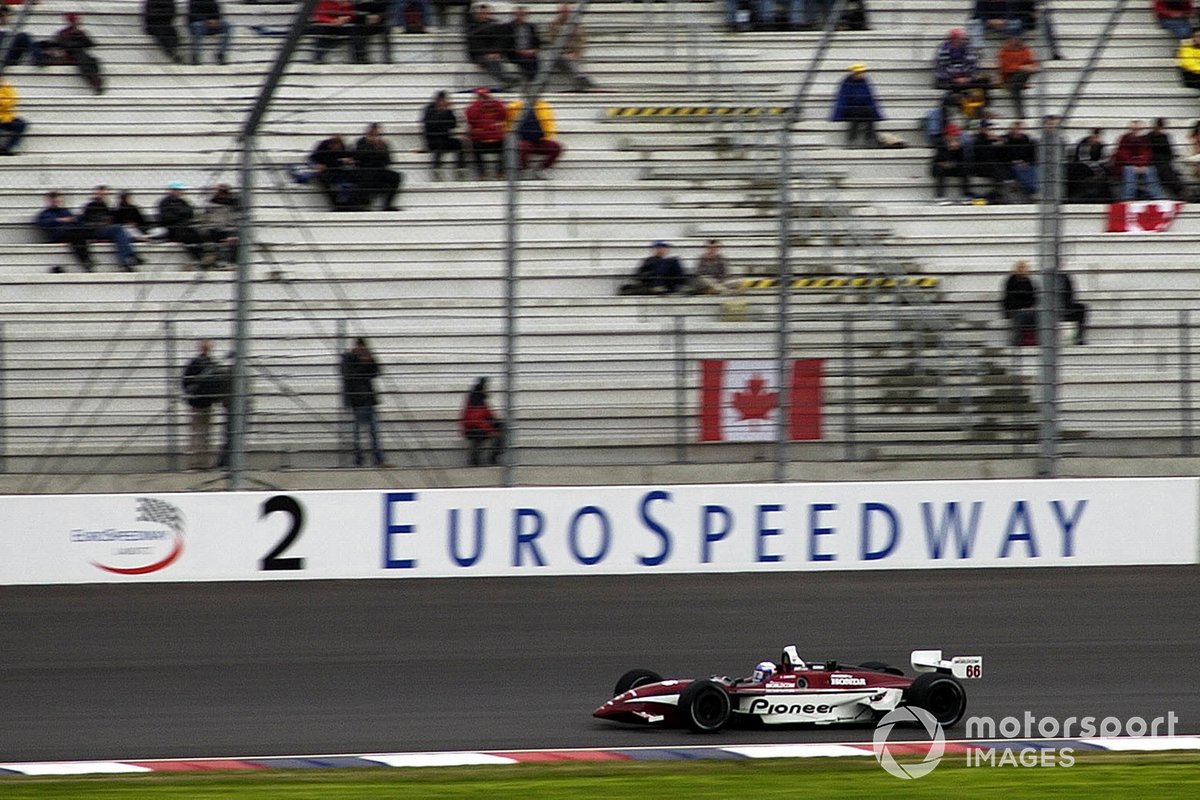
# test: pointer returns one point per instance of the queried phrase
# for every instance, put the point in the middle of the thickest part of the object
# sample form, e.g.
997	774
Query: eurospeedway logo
1025	728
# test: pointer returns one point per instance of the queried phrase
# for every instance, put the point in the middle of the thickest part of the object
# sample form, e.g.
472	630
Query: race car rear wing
958	666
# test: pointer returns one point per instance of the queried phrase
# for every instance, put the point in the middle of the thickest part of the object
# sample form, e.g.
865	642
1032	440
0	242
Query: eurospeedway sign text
596	530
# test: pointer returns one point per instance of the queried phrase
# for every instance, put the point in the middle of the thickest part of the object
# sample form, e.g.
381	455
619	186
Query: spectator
333	22
487	44
414	16
1187	58
1133	162
956	70
535	136
438	123
219	224
178	216
10	123
1175	17
99	222
158	20
1087	171
129	215
855	103
373	172
1019	306
22	43
1020	153
660	273
1162	157
524	44
570	59
486	121
205	19
986	159
798	13
359	370
1070	309
333	168
712	272
1193	159
374	20
60	226
1016	64
480	427
71	45
205	384
950	161
995	17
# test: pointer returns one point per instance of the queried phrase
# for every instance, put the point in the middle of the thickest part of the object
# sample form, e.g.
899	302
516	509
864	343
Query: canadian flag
739	400
1152	216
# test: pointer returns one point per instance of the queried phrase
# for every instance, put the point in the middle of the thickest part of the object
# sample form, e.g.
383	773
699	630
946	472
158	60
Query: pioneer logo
846	680
760	705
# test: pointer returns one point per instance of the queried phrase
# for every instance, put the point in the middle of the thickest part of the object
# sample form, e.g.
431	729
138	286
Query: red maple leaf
1151	219
754	403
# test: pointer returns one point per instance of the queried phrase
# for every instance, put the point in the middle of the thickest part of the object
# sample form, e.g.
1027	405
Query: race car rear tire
635	678
879	666
705	706
939	694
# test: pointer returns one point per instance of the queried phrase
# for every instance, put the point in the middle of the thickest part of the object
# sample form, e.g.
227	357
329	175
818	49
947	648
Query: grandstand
606	385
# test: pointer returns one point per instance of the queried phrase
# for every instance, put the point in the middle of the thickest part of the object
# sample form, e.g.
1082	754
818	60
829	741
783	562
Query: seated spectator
950	161
438	123
158	20
1187	58
414	16
1193	158
855	103
1019	306
59	225
205	19
1162	157
661	273
571	57
486	120
535	136
129	215
334	170
1087	171
70	46
487	45
1175	16
524	44
800	14
994	17
22	44
333	22
956	70
986	159
1016	64
374	20
1020	152
10	124
218	224
480	426
1070	309
97	219
1132	163
178	216
712	274
372	168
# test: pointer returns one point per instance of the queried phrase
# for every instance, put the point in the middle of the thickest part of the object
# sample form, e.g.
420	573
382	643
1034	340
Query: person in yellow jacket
535	135
1188	60
10	123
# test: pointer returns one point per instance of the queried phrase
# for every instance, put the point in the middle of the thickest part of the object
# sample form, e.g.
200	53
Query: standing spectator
158	20
374	20
359	370
438	123
855	103
1175	16
535	135
10	123
660	273
219	224
486	120
1133	161
1187	58
956	70
1087	171
22	43
203	387
1019	305
178	216
1020	152
331	23
712	271
372	161
524	44
205	19
333	169
99	222
570	59
950	161
1016	64
1070	309
487	44
480	427
60	226
72	44
1162	157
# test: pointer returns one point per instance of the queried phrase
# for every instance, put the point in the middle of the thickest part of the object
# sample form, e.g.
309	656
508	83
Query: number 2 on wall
291	506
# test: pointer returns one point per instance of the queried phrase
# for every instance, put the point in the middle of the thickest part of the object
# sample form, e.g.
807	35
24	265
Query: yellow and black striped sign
657	112
842	282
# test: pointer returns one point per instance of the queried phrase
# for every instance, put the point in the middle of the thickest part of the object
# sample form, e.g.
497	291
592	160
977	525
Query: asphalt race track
190	670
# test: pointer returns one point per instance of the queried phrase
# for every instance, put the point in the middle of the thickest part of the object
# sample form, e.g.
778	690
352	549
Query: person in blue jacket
855	103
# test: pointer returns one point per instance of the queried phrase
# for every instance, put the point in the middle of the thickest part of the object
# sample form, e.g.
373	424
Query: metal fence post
3	398
848	411
171	396
680	391
1185	379
343	428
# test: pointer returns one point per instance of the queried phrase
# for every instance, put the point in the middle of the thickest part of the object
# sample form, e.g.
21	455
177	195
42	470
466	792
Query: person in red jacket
1132	160
333	22
1175	16
480	426
487	119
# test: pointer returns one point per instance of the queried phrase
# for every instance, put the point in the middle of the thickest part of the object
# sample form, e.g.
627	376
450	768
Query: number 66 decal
291	506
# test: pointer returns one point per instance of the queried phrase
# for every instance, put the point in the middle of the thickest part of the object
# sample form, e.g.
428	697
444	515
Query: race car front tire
939	694
705	706
635	678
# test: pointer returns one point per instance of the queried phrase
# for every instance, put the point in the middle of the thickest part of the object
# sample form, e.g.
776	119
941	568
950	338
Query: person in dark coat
333	168
438	123
1087	171
100	223
372	160
201	391
178	216
1019	305
1070	309
61	226
524	43
22	43
158	20
72	45
359	370
480	426
204	18
1162	156
949	161
661	273
487	45
855	103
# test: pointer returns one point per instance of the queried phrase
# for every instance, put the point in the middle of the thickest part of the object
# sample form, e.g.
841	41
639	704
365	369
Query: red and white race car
794	692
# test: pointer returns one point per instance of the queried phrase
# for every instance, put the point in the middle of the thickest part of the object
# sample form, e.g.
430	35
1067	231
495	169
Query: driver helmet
763	671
